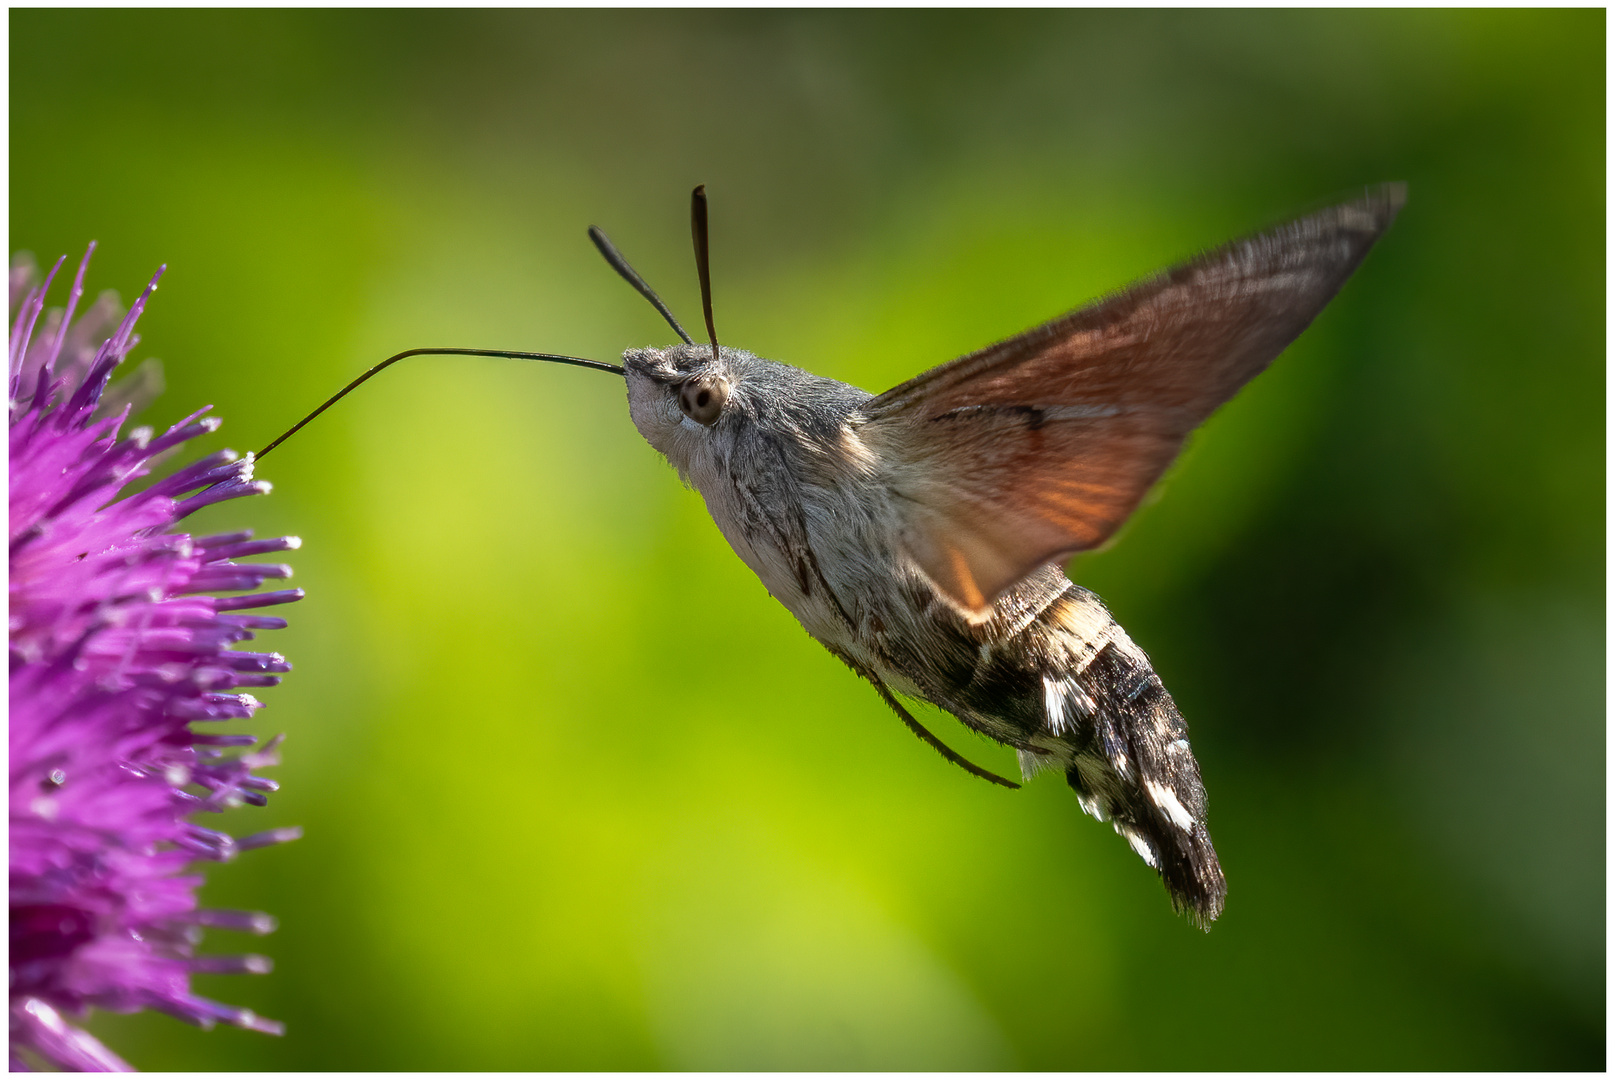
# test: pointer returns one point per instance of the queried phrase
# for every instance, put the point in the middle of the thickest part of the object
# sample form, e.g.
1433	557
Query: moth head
680	398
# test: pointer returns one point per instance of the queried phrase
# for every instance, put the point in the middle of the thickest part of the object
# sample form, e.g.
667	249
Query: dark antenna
698	230
620	264
576	361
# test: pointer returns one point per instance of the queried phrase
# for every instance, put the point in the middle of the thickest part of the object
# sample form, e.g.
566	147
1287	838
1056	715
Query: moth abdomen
1141	771
1106	720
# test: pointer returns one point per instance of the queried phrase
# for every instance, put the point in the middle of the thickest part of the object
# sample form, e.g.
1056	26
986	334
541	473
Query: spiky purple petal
118	645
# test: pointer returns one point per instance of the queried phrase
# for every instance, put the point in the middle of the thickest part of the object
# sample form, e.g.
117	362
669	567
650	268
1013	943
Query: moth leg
925	735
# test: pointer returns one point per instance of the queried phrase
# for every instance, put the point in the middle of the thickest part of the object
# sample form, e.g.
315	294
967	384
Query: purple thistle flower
117	648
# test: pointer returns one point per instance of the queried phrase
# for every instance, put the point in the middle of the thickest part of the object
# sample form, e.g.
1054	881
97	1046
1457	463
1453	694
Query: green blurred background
578	794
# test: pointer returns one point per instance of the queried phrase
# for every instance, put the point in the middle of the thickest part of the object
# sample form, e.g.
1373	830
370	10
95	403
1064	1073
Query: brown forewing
1042	445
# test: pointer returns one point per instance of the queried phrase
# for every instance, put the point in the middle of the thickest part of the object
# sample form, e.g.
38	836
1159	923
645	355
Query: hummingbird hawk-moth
918	534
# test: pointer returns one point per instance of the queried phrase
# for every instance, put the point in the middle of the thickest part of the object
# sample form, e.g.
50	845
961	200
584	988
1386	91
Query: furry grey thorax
809	506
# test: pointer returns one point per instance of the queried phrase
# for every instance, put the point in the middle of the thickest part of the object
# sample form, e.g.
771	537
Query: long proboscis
555	358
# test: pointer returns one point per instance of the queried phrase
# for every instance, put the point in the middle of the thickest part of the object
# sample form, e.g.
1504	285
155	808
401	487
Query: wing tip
1379	206
1393	194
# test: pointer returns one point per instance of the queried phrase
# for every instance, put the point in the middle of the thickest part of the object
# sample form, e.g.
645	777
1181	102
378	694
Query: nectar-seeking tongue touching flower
119	647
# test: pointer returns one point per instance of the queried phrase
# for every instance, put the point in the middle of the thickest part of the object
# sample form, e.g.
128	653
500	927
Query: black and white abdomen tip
1127	752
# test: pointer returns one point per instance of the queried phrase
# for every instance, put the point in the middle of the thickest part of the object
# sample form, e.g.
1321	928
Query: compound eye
702	398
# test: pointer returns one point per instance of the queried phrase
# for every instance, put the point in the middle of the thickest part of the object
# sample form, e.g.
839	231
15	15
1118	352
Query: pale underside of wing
1041	446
